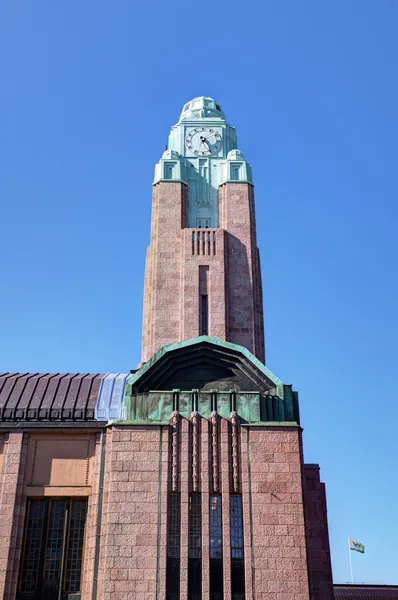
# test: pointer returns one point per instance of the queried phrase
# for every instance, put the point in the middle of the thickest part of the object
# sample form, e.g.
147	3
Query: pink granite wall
91	522
133	558
190	265
12	511
275	493
268	474
320	568
129	544
171	287
243	288
163	283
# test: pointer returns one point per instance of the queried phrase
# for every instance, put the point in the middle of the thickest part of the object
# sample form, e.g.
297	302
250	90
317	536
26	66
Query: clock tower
185	478
203	272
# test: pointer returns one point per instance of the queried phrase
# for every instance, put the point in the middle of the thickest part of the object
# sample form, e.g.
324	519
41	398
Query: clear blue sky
89	91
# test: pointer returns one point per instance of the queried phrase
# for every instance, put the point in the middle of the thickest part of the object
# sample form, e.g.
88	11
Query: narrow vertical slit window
203	299
237	551
204	326
216	548
195	548
173	547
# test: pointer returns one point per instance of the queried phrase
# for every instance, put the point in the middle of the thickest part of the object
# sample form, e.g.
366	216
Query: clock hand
204	141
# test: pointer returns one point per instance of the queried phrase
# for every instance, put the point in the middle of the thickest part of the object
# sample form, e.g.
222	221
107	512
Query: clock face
203	141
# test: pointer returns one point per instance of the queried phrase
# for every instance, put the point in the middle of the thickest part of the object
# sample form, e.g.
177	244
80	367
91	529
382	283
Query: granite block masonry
183	479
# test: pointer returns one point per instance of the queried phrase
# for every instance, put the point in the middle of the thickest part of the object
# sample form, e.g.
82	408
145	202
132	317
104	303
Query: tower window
173	547
216	549
169	170
195	548
237	551
204	315
235	172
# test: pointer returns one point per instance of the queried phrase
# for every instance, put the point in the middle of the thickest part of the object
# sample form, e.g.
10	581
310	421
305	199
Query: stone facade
184	479
11	511
320	571
128	470
175	258
137	483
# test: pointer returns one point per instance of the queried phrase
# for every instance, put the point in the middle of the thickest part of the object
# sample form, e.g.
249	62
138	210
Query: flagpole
349	552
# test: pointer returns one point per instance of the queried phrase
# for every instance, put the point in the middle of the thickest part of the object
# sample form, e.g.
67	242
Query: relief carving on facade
175	426
214	450
195	420
235	452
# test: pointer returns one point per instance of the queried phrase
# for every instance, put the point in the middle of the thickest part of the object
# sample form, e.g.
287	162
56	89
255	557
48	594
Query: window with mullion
34	534
216	548
74	555
173	547
55	537
237	549
195	547
51	562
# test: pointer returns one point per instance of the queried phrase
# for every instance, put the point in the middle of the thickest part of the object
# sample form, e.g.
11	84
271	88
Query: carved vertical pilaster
214	452
175	430
225	488
235	451
195	420
184	484
205	485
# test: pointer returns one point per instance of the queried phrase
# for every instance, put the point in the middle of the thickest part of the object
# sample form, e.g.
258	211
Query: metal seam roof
50	397
110	403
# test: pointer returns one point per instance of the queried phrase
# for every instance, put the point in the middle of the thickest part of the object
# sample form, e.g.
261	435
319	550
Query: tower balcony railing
204	242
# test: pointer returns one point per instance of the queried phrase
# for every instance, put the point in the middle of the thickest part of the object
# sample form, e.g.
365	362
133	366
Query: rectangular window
34	535
169	170
195	548
74	555
204	317
55	543
216	549
53	548
237	551
235	172
173	547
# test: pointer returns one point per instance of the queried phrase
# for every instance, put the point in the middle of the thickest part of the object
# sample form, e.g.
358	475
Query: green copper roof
202	152
205	338
201	107
235	380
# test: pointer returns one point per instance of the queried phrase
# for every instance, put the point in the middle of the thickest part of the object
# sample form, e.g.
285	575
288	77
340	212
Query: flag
356	546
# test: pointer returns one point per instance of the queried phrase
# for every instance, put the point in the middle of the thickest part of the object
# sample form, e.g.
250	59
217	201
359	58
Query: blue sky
89	91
